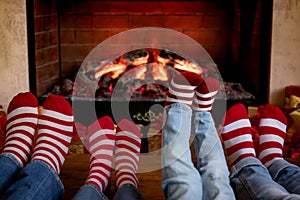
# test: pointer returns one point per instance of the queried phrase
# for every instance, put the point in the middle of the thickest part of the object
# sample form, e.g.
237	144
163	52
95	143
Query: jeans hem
12	158
52	172
245	162
278	166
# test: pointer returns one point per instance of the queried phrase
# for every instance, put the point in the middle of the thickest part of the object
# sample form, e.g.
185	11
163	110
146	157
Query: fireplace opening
235	33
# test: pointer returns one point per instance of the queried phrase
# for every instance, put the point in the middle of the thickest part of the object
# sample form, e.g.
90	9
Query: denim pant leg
128	192
252	180
9	169
180	179
287	175
35	181
211	161
89	192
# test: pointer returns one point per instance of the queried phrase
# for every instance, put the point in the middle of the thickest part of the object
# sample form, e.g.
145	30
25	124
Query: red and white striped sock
127	152
55	129
205	95
272	132
182	88
236	134
22	120
102	138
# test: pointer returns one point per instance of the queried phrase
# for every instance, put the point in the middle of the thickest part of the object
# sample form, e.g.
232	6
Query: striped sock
236	134
182	88
55	129
205	95
102	138
22	120
127	152
272	132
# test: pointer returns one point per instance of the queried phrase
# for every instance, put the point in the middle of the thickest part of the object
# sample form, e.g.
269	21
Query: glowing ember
187	66
159	72
114	69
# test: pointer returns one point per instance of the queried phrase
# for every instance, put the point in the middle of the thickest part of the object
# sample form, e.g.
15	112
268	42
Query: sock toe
21	100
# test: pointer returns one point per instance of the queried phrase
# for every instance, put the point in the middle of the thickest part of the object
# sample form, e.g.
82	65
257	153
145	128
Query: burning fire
147	64
156	68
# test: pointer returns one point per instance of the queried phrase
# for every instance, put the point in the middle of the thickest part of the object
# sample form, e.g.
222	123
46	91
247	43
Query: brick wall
85	24
66	31
46	45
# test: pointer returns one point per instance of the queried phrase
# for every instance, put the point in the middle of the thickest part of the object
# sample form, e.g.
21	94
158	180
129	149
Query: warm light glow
187	66
163	61
140	61
115	69
141	72
159	72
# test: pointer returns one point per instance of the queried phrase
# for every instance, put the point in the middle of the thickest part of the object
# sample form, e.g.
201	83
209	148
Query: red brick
111	21
217	22
146	21
185	21
45	23
204	37
70	68
46	55
90	36
83	21
71	52
48	71
67	36
67	21
43	7
45	39
183	7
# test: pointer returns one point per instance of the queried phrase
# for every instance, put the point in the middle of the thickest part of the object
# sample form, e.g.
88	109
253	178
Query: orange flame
159	72
115	69
187	66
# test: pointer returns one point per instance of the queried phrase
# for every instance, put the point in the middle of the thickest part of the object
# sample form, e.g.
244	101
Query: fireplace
235	33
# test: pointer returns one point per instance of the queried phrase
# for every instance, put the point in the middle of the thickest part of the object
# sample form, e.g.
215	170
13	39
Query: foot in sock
101	138
272	132
22	120
55	129
205	95
182	88
236	134
127	152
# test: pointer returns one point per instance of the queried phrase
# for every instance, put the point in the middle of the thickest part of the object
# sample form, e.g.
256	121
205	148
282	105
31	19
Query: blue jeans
252	180
125	192
180	178
35	181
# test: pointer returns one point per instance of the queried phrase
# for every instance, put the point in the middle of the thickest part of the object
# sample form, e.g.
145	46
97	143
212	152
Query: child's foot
272	132
205	95
102	138
127	152
22	120
55	130
236	134
182	88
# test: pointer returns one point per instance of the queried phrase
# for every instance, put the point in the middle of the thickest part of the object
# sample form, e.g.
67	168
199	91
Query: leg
287	175
39	179
21	125
211	161
272	132
180	179
101	139
127	153
250	178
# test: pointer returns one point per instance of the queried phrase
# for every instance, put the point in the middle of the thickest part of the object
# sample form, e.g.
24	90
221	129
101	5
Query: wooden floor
76	167
75	172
